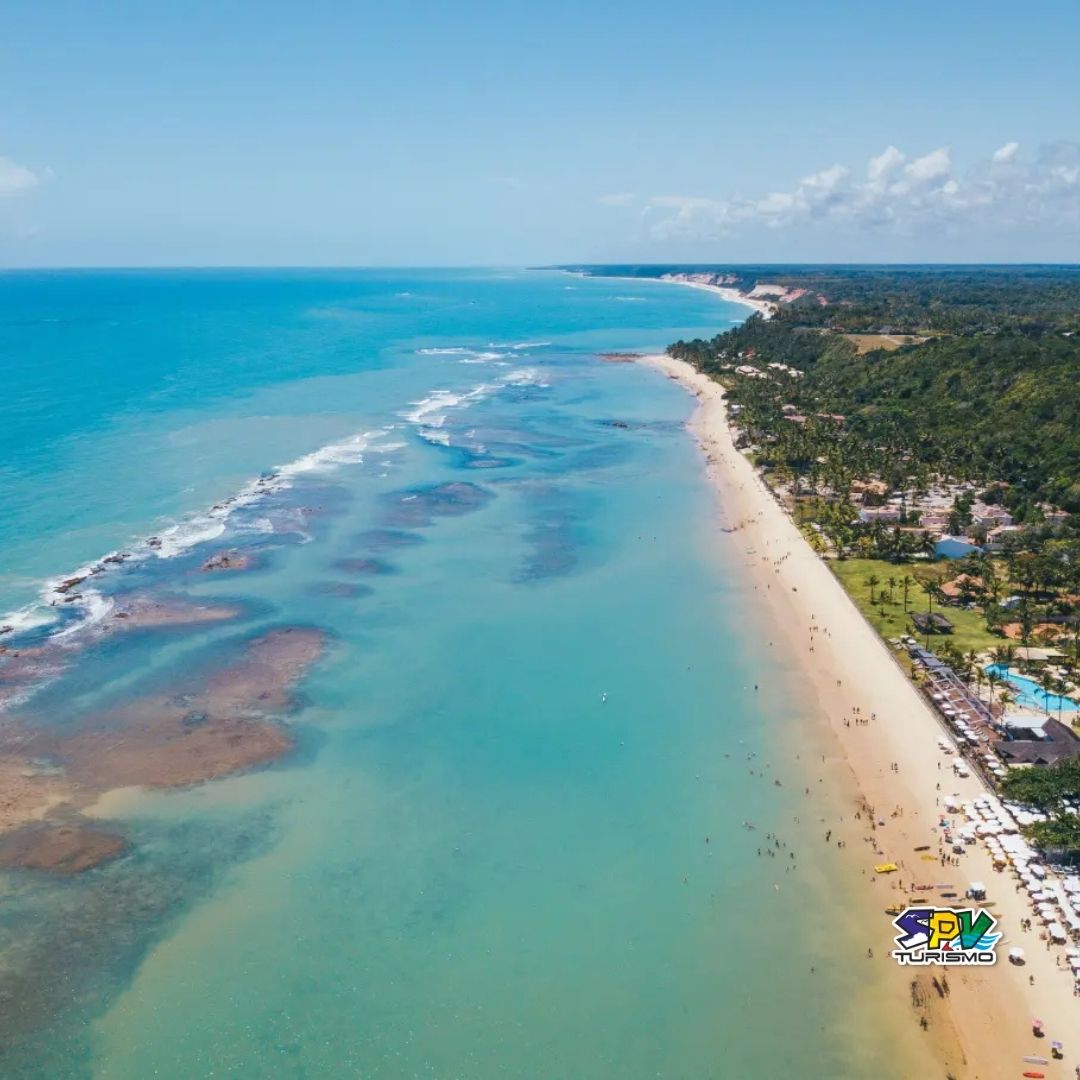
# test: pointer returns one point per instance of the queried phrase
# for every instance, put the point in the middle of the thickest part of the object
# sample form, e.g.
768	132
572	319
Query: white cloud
896	191
828	179
930	167
882	166
1004	154
15	179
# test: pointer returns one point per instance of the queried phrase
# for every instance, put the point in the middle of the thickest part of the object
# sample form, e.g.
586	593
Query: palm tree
1060	688
963	663
872	581
1004	654
971	661
891	582
1027	621
931	587
907	581
1046	685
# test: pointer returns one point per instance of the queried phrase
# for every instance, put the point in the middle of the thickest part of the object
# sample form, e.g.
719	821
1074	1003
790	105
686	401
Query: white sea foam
517	344
94	608
261	525
434	435
474	356
27	618
347	452
185	535
429	414
431	409
524	377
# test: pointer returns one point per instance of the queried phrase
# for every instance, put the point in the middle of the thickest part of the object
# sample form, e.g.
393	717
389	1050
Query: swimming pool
1030	694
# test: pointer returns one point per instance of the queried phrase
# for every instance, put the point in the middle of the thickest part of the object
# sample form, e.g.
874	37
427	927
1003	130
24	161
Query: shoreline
983	1027
763	307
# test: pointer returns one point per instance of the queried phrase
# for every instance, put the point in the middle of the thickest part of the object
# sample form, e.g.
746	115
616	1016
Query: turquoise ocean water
510	840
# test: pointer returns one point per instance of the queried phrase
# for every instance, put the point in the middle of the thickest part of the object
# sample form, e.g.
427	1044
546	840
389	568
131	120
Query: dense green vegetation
907	299
993	400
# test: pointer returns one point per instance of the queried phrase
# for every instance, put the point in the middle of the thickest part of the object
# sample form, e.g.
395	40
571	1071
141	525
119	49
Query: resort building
990	516
1041	742
995	538
879	513
931	623
1053	516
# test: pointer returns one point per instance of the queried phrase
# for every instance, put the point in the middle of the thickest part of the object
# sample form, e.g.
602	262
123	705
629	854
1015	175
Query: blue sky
146	133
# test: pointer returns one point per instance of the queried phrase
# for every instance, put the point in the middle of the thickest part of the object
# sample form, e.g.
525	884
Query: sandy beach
982	1027
763	307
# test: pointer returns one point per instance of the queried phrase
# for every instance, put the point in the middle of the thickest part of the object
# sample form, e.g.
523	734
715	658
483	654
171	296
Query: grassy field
888	616
865	343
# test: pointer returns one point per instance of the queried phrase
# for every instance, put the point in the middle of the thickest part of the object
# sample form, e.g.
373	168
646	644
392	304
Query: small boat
1037	1075
924	847
894	909
886	868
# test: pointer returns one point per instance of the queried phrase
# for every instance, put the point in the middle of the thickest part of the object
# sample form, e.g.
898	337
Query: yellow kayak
886	868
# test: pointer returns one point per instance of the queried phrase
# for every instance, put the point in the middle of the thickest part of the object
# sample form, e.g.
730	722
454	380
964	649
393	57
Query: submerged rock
228	560
59	849
419	507
218	720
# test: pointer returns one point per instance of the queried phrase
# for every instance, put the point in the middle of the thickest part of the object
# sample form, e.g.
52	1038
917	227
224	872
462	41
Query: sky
508	133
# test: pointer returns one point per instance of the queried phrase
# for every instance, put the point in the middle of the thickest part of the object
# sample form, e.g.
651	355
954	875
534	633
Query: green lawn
889	619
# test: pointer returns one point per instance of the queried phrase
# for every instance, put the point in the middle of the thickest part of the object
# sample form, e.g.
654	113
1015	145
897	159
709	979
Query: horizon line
515	266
